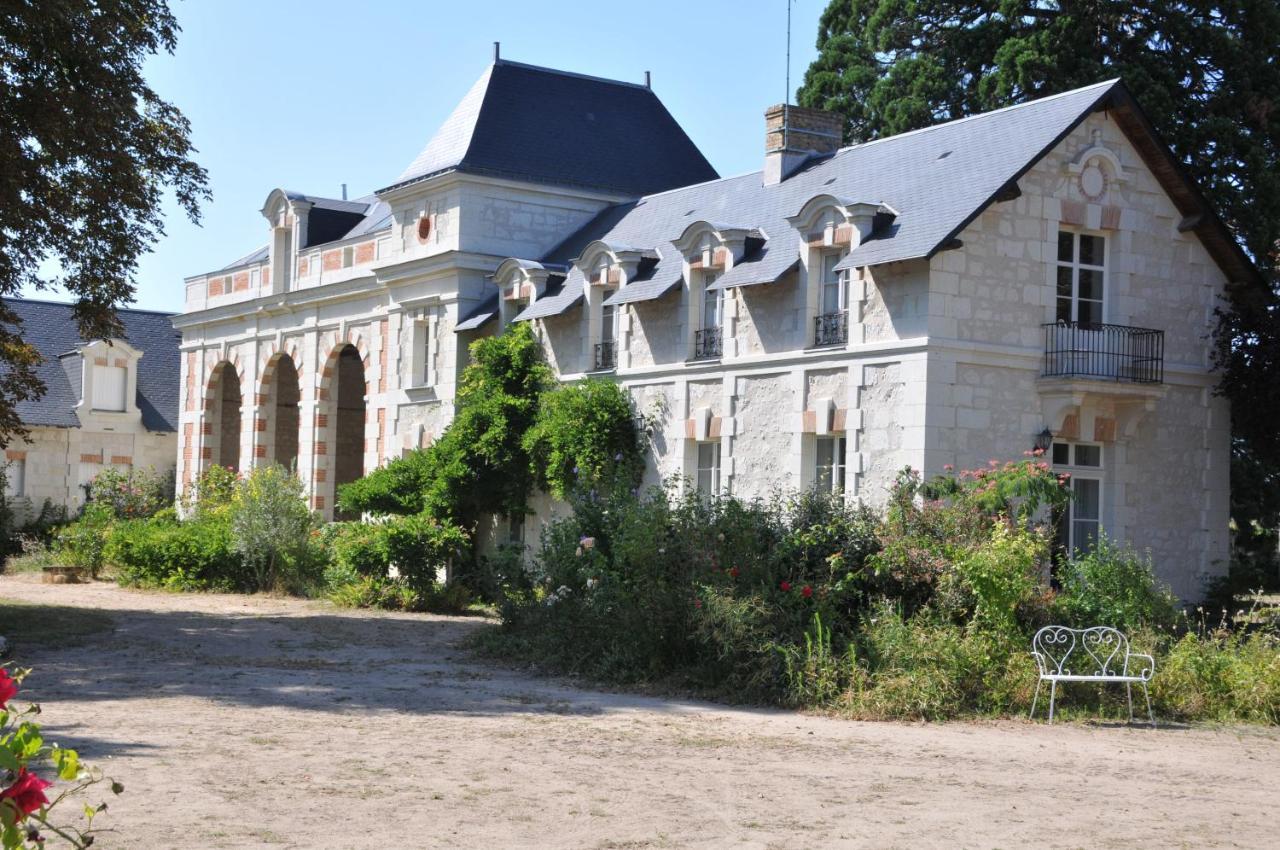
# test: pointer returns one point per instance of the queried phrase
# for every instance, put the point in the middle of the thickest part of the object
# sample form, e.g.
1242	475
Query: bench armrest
1040	662
1144	669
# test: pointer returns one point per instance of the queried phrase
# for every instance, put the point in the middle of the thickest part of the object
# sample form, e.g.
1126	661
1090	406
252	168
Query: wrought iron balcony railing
831	328
1109	352
606	356
706	344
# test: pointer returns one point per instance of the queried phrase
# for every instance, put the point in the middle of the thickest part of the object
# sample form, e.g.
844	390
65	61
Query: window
515	529
833	297
424	352
1080	522
709	468
110	383
348	257
608	323
712	300
15	481
1081	270
829	464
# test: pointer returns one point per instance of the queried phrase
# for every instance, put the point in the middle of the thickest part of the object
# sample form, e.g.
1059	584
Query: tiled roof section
558	297
546	126
935	195
51	327
484	312
257	256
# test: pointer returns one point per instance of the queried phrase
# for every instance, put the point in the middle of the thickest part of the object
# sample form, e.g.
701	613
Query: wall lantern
1044	440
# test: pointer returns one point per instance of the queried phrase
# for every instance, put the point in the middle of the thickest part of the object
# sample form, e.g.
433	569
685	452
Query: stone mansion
1042	274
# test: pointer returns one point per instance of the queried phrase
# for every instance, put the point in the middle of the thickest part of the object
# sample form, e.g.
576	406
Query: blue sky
310	95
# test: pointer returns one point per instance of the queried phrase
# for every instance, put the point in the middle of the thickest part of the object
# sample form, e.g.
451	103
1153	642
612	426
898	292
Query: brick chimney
792	134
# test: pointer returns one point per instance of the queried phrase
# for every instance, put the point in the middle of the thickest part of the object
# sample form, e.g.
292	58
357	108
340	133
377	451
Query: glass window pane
831	297
1061	454
1066	242
1064	281
824	454
1090	250
1084	534
1089	312
711	309
829	273
1088	455
606	324
1064	310
1090	284
1087	504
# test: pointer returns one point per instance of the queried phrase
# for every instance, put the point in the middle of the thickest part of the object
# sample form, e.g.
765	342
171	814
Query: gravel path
257	722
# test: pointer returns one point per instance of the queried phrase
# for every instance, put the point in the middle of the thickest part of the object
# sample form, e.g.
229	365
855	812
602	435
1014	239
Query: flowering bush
27	798
132	494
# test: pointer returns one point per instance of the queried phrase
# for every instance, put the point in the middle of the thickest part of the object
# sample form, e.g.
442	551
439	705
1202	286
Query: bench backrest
1096	651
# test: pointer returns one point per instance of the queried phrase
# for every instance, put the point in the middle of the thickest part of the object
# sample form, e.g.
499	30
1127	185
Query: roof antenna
648	81
786	100
497	52
344	191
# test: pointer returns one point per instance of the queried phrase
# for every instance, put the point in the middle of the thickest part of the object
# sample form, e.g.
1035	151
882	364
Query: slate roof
51	328
936	179
546	126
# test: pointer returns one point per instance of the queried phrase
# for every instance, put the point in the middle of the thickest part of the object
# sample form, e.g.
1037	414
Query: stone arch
223	404
340	422
278	424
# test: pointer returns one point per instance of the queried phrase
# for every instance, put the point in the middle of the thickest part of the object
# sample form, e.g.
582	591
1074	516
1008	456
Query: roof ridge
561	72
977	115
52	303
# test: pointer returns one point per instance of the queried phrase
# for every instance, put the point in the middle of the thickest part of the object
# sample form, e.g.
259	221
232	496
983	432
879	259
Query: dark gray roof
51	328
934	196
546	126
480	316
331	220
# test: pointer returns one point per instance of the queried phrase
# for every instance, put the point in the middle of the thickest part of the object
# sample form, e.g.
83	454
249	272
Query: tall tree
87	151
1206	73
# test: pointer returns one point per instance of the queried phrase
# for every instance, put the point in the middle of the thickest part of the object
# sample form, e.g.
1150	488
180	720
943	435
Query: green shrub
193	555
1001	573
1229	677
83	542
133	493
272	527
1114	586
360	549
420	548
584	437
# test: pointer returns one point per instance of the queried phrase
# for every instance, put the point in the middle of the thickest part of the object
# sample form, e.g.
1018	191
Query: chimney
792	134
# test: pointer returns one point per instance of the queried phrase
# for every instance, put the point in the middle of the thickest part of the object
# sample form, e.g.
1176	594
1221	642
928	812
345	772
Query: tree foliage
584	436
1207	76
479	465
87	151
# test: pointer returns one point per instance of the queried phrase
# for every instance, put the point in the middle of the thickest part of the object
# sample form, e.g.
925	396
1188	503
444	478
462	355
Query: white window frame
1093	474
422	361
835	473
830	279
708	466
15	481
1076	267
609	324
717	296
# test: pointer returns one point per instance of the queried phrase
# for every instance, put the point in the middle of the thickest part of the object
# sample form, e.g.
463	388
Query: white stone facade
941	365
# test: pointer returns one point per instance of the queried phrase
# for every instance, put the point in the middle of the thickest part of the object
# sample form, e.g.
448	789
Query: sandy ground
256	722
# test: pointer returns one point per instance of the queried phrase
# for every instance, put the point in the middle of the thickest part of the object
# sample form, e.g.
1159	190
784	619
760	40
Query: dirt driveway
254	722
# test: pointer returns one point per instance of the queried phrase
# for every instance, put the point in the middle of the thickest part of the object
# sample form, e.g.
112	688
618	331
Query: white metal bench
1097	654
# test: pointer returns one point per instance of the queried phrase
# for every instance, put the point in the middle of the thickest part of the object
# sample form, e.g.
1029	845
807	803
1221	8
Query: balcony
1103	352
831	329
707	344
606	356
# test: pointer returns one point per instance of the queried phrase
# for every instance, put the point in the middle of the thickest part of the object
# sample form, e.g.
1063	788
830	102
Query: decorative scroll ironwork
1113	352
606	356
706	344
831	328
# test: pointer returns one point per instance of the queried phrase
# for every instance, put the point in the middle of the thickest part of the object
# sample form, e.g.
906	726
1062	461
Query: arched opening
224	416
282	394
348	425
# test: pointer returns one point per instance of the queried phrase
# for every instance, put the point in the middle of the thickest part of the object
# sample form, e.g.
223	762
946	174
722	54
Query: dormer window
708	339
607	268
109	386
108	379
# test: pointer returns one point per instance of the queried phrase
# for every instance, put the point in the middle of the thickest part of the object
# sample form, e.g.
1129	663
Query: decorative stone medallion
1093	182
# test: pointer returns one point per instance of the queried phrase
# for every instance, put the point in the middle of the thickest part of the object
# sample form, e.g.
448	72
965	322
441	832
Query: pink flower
946	467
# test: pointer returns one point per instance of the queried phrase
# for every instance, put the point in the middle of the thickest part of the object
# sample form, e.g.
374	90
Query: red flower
26	794
697	603
733	572
786	586
8	687
806	591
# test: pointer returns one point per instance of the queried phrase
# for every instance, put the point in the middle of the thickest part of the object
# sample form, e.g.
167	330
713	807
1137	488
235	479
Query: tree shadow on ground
340	663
